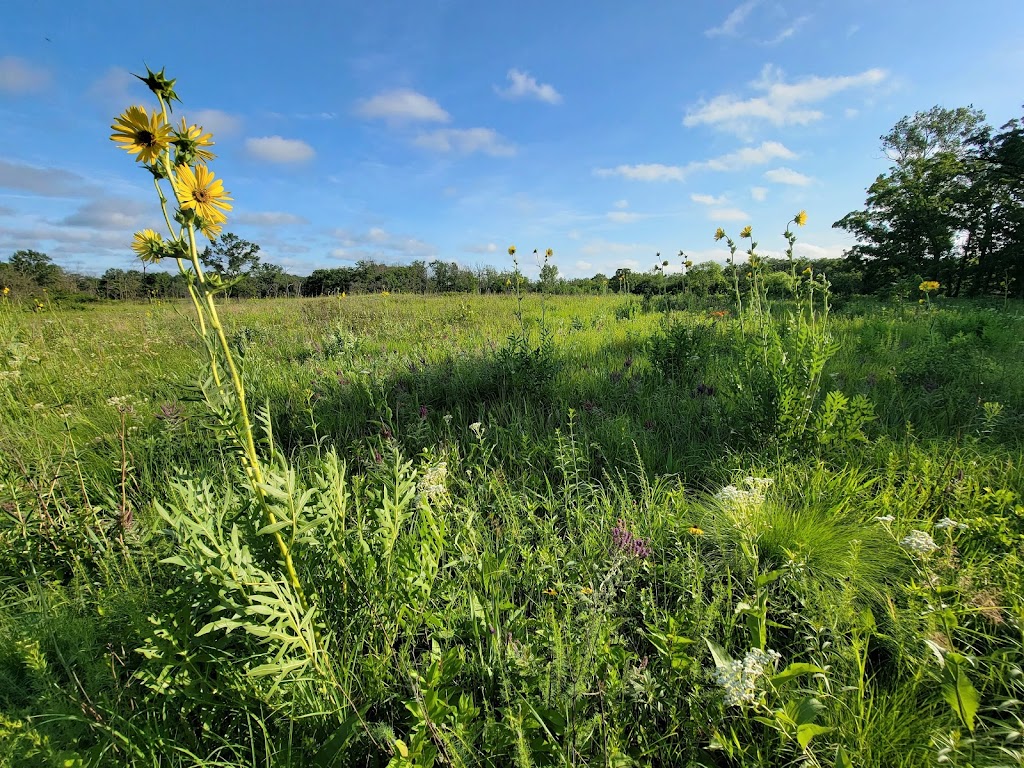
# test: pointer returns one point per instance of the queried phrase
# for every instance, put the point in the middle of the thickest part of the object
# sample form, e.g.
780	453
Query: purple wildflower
625	541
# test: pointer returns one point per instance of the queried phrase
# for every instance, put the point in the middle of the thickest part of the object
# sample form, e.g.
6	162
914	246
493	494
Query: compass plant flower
190	145
149	246
202	193
139	133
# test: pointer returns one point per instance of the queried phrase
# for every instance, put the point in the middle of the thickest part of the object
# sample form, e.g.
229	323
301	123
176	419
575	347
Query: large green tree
230	257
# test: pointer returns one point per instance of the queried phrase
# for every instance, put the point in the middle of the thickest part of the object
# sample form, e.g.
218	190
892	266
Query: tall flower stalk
178	157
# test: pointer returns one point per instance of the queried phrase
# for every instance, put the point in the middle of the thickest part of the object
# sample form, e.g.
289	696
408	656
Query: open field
529	534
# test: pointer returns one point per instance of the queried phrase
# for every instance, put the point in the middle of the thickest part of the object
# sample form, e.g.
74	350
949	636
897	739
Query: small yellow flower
929	285
587	591
141	134
695	531
511	250
746	231
192	144
385	293
687	263
549	253
801	218
198	191
719	234
550	592
148	246
807	270
7	291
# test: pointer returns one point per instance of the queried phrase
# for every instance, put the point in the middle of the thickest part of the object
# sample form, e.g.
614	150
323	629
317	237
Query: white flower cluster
948	523
751	494
919	542
739	677
432	486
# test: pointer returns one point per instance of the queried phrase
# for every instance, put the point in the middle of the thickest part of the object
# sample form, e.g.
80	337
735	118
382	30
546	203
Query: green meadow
544	531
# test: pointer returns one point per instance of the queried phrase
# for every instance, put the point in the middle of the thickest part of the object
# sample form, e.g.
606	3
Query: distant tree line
950	208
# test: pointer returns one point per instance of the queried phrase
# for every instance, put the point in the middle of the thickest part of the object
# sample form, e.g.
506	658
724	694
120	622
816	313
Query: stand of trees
950	208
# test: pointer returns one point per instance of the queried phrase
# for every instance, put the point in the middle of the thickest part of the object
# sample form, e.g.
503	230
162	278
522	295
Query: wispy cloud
788	176
20	76
733	20
268	218
780	104
787	32
523	86
708	199
466	141
402	105
378	243
112	214
743	158
759	193
624	217
728	214
276	149
218	122
48	182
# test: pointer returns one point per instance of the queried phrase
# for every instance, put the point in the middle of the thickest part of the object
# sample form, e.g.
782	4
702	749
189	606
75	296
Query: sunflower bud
163	88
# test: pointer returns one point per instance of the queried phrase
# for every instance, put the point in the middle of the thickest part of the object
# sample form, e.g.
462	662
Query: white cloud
620	204
114	87
733	20
787	176
745	157
379	244
466	141
708	199
268	218
216	122
403	105
112	214
523	85
49	182
781	104
481	248
583	266
728	214
810	251
645	172
851	112
788	32
759	193
276	149
624	217
19	76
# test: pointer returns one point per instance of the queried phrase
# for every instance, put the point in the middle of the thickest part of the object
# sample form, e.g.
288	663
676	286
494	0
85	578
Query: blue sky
608	131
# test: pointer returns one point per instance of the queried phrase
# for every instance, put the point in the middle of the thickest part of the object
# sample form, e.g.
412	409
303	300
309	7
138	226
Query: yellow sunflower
719	234
746	231
929	285
148	246
192	143
800	218
198	191
141	134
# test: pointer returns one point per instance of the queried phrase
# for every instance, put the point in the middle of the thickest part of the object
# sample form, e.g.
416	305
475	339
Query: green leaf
796	669
807	731
718	653
959	692
842	759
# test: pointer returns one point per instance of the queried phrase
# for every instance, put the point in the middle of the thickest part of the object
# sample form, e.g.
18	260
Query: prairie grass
456	494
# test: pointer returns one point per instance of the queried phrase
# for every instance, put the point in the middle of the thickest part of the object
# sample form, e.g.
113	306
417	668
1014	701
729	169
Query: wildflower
919	542
385	292
801	218
625	541
587	591
695	531
949	523
929	285
687	263
7	291
447	419
423	411
550	592
191	144
198	191
747	231
740	677
149	246
142	134
511	250
477	429
753	493
719	234
549	253
432	485
807	270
